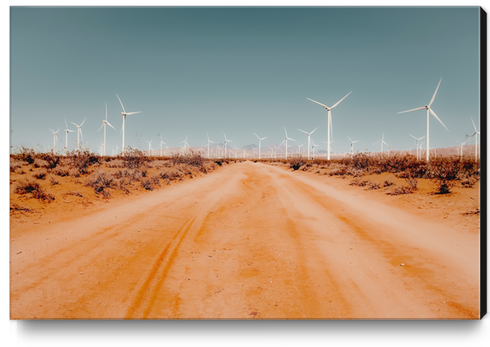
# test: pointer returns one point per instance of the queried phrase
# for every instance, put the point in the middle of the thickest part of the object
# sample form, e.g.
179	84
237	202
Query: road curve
251	241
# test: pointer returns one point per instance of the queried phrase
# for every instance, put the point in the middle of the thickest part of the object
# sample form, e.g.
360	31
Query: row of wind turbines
311	145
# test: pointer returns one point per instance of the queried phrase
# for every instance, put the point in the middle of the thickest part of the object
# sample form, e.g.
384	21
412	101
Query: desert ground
247	240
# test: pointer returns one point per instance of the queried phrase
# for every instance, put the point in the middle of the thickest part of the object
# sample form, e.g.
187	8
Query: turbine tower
309	134
429	110
352	145
418	139
104	124
79	133
475	134
226	141
67	131
329	122
209	141
55	137
124	114
382	141
149	147
185	144
260	141
286	139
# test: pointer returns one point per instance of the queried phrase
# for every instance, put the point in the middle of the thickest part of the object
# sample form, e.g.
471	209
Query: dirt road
249	241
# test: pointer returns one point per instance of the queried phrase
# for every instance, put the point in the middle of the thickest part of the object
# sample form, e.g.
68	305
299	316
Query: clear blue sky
193	71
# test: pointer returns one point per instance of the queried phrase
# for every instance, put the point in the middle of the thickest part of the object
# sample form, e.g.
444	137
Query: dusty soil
251	241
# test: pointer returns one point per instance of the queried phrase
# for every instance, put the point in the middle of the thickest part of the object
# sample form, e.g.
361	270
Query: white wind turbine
286	139
309	134
382	142
124	114
149	147
79	133
67	131
314	146
226	141
476	140
185	144
329	121
461	144
429	110
55	137
161	148
417	139
299	148
260	142
352	145
209	141
104	124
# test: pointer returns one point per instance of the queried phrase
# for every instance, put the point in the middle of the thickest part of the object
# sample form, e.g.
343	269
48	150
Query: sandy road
249	241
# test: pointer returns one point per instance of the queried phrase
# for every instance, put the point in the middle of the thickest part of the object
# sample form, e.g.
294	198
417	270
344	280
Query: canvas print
245	162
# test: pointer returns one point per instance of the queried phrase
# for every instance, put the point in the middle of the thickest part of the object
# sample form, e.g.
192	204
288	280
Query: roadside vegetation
47	177
444	173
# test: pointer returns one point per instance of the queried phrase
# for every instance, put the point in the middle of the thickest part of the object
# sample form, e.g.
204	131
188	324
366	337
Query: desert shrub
82	160
15	164
74	172
74	193
147	184
51	158
16	207
53	180
116	163
193	159
100	181
219	162
61	171
469	182
388	183
412	182
445	173
26	187
40	175
26	154
401	190
133	158
40	163
296	163
372	185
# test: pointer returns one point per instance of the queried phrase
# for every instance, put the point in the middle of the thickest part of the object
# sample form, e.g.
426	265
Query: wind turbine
161	149
104	124
260	141
226	141
382	141
429	110
124	114
476	140
314	146
329	122
209	141
309	134
55	137
299	148
149	147
461	144
352	145
79	133
185	143
418	139
286	139
67	131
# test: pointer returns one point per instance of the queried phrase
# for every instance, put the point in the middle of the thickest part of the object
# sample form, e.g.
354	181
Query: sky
197	71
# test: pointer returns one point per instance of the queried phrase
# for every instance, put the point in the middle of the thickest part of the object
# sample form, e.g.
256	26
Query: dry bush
26	154
296	163
388	183
51	158
82	160
16	207
40	163
15	165
100	181
147	184
469	182
53	180
40	175
444	173
400	190
74	193
133	158
373	185
358	181
193	159
62	171
116	163
26	187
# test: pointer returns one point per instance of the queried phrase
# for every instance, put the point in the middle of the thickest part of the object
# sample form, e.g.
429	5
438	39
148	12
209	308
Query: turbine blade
111	125
127	114
286	132
106	111
100	127
376	142
313	130
349	138
434	114
66	124
414	109
338	102
257	136
474	126
413	136
433	97
83	121
74	124
121	103
318	103
303	131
